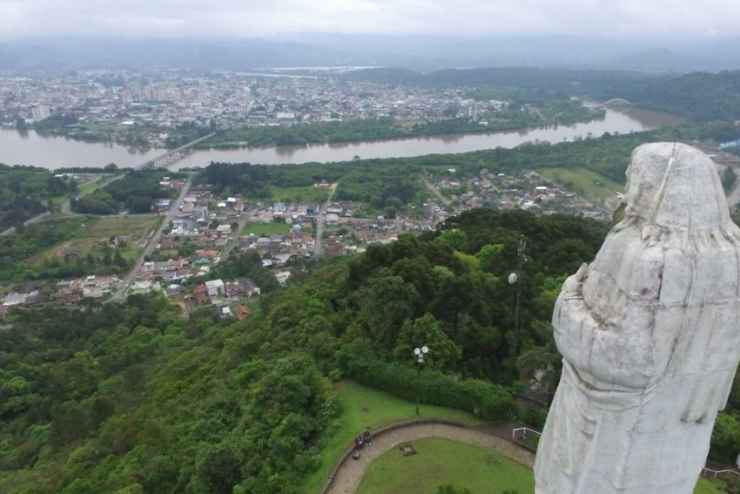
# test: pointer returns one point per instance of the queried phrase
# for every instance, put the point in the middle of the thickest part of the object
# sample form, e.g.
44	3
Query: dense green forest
135	193
26	191
699	96
134	398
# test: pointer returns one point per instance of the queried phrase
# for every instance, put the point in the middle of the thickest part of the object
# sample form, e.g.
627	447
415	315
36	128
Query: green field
709	487
587	183
440	462
88	187
309	194
266	229
95	231
135	226
361	408
444	462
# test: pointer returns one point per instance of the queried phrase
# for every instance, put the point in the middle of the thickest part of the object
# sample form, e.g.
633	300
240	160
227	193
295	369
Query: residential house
215	288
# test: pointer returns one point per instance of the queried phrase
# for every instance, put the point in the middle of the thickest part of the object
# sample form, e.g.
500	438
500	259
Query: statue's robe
650	337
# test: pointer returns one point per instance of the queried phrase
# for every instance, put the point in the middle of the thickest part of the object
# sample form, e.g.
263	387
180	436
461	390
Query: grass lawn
266	229
97	230
587	183
442	461
364	407
710	487
308	194
88	187
135	226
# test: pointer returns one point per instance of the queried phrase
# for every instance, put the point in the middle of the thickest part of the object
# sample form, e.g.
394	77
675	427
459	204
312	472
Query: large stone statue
650	335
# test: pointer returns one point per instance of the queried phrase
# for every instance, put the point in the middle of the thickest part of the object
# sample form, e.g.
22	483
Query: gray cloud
249	18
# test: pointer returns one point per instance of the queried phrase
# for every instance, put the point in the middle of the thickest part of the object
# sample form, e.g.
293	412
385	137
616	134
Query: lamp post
513	281
521	255
419	353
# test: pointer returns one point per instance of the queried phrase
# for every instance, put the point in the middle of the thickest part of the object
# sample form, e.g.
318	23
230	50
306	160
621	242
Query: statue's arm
598	351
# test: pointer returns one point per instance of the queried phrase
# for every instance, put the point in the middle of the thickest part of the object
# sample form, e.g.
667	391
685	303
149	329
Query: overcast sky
256	18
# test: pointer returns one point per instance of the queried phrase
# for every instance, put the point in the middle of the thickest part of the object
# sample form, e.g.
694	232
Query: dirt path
434	190
348	477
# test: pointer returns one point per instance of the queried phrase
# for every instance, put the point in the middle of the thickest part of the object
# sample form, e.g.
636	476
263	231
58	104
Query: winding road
349	475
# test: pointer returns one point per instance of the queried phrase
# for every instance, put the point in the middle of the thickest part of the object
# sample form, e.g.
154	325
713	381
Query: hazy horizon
420	34
711	19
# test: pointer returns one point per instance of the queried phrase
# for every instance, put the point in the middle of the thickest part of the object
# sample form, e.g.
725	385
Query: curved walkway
349	472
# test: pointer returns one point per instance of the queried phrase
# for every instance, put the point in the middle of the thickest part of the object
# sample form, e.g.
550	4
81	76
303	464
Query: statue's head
621	320
675	186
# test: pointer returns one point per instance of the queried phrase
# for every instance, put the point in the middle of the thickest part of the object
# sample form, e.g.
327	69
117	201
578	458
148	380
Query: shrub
487	400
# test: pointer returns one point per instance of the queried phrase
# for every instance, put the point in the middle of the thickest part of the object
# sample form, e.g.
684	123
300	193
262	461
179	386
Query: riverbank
56	152
388	129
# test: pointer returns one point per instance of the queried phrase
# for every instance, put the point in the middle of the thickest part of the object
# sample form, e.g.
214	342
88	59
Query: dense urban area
236	327
168	109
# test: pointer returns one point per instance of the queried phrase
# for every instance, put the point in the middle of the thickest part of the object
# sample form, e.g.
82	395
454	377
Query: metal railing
521	434
710	472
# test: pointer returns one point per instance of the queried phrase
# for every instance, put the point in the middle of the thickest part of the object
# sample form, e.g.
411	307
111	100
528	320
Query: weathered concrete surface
650	337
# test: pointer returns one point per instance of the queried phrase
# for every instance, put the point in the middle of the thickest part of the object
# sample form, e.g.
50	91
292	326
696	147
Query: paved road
320	221
234	240
33	220
434	190
348	477
66	208
153	241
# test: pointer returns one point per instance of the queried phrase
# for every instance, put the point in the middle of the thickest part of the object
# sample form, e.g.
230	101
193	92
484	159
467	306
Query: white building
215	288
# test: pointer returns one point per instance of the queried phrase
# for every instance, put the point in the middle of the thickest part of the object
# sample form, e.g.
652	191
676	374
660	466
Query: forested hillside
134	398
700	96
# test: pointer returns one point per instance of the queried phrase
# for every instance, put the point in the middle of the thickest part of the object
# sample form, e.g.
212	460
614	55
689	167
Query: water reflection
55	152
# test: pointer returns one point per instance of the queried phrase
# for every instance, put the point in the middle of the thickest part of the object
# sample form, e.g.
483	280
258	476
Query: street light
513	279
420	353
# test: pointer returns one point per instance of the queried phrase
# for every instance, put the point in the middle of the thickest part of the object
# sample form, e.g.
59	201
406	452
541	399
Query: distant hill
78	53
661	60
700	96
425	53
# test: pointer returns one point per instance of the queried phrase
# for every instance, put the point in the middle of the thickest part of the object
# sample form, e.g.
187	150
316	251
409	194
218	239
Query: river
56	152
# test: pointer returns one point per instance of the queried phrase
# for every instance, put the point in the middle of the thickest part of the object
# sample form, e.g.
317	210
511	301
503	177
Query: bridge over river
172	156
